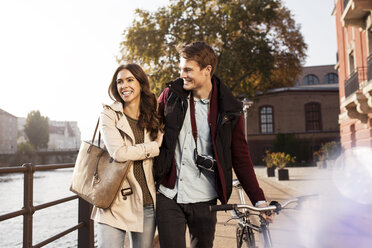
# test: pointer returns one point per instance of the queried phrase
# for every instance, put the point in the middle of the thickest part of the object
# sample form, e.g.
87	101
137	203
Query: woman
130	129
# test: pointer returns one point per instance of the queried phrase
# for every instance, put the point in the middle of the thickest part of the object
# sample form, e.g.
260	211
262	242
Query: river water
48	186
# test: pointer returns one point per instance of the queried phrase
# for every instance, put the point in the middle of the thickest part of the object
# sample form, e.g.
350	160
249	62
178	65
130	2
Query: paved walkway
317	225
328	221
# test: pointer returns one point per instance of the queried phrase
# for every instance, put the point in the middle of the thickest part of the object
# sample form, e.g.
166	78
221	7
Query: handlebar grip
277	205
224	207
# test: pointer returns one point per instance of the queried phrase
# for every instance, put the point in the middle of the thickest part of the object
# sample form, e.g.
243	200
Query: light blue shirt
191	185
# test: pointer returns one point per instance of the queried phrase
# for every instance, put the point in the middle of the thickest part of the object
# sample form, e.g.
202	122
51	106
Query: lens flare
352	175
341	217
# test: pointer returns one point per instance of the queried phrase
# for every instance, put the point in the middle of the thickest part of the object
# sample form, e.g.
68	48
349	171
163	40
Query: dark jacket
227	130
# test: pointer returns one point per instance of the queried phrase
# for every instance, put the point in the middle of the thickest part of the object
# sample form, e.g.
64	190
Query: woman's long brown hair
148	117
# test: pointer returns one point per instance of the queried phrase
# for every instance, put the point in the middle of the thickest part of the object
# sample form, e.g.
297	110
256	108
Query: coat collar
177	87
221	95
116	106
122	121
227	102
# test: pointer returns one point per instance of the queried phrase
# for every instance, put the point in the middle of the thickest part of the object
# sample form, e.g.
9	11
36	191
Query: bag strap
99	132
99	135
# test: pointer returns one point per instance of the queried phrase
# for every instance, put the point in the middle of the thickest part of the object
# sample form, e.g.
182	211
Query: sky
58	56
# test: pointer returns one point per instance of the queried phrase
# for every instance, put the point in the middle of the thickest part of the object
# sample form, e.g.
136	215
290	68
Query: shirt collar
204	101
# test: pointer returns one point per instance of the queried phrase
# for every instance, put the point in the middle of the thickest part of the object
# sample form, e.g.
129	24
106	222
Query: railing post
86	233
28	204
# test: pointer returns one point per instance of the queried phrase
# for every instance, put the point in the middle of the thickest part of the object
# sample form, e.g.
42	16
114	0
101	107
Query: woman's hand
159	139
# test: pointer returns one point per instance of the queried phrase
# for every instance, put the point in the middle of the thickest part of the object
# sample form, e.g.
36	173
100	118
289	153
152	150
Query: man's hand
159	139
267	217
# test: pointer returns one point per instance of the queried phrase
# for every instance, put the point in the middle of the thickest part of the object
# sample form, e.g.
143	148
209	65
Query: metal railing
369	67
345	2
352	82
85	225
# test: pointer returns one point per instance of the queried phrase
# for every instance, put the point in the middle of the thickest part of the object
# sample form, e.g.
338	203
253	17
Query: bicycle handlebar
223	207
274	205
226	207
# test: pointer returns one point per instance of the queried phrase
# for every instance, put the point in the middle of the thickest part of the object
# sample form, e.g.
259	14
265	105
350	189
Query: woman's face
128	87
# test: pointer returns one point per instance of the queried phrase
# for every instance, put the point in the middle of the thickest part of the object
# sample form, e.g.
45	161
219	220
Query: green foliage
268	160
25	148
37	129
288	143
278	159
330	150
25	153
259	45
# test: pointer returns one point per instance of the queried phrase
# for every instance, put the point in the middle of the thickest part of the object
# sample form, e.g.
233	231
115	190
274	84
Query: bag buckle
125	192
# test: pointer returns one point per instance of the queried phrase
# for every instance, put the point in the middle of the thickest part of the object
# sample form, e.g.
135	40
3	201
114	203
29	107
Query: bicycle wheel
245	237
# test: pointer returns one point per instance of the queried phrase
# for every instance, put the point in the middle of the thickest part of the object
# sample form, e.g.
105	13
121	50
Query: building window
369	42
310	79
351	63
330	78
266	119
313	117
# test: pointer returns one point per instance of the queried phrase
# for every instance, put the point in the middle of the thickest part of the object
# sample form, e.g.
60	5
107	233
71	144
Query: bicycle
242	212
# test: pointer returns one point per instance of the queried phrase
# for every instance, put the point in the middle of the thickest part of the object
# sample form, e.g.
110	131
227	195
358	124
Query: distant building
309	111
62	134
21	121
318	75
354	42
8	132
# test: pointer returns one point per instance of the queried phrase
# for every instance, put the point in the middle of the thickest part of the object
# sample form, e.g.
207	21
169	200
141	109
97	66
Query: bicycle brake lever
231	218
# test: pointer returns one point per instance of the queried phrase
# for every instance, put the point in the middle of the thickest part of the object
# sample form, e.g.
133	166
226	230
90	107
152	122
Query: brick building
318	75
308	110
354	42
8	132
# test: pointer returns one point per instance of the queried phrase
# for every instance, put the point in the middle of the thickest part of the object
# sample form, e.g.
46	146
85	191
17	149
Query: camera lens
208	164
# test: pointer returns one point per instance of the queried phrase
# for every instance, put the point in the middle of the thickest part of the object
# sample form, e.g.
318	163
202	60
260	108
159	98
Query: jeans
172	219
111	237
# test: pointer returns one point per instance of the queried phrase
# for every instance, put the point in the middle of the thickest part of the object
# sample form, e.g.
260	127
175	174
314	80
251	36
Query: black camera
205	162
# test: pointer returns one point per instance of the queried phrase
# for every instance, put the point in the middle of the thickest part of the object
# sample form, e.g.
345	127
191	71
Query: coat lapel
122	122
124	126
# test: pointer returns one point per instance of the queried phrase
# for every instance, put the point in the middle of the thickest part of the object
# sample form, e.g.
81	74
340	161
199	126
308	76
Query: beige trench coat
126	214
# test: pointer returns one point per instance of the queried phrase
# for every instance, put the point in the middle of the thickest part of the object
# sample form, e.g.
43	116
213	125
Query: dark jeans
172	218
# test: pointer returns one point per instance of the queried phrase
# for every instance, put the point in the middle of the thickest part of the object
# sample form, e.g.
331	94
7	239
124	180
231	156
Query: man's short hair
199	51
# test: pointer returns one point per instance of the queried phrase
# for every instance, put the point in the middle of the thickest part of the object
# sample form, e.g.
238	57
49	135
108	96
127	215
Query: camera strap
195	133
193	121
193	127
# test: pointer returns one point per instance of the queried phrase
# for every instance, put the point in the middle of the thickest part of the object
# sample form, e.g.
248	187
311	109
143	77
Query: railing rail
369	67
84	226
345	2
351	84
354	79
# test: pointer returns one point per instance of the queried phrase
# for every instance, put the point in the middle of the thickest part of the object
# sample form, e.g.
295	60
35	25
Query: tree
25	153
259	45
37	129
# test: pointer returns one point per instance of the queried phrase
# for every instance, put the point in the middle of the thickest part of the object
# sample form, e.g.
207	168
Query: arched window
266	119
313	116
310	79
330	78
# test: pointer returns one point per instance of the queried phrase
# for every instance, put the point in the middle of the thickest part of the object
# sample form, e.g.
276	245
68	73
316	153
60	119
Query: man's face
193	76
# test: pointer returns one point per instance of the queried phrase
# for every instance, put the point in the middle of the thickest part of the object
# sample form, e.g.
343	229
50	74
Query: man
203	140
